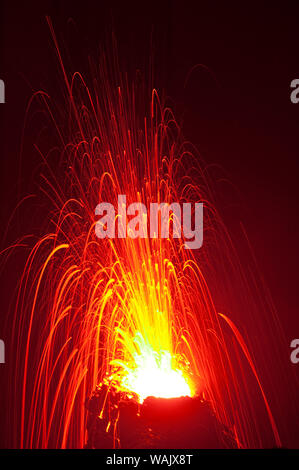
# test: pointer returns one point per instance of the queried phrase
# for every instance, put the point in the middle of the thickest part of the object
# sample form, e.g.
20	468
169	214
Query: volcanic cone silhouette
158	423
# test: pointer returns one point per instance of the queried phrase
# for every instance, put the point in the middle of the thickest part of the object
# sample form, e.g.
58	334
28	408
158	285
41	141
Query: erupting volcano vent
152	374
135	314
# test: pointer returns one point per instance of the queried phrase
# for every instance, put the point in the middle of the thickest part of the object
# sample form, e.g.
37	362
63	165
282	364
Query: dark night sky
236	108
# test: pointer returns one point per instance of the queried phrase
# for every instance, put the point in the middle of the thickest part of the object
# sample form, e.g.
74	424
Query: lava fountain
135	313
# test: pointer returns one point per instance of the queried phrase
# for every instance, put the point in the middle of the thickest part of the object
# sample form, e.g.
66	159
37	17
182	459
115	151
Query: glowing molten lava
153	373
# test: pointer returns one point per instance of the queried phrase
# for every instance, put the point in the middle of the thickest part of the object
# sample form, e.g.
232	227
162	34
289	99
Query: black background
235	107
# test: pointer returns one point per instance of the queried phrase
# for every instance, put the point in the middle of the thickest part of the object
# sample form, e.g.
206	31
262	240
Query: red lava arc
136	312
